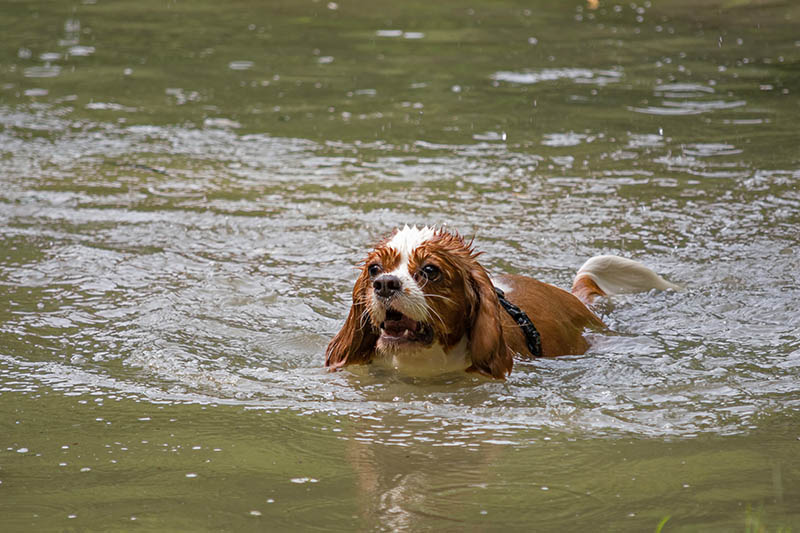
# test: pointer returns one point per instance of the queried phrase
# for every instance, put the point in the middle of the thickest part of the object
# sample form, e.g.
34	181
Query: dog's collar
532	337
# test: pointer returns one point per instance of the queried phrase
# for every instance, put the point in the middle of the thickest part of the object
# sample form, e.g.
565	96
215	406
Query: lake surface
187	186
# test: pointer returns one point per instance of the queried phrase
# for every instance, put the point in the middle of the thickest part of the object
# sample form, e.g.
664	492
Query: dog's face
414	286
422	294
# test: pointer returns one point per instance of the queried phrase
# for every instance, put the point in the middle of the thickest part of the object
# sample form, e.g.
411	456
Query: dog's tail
604	275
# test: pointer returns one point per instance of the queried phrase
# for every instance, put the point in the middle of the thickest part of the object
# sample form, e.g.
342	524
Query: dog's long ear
490	354
355	342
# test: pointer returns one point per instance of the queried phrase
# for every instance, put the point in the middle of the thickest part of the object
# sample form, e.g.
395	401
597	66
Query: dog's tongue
396	326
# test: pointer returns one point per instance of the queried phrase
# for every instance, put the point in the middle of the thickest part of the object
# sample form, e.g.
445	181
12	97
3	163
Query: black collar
532	337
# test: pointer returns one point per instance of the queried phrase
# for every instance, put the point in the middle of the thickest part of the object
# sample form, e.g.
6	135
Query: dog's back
562	317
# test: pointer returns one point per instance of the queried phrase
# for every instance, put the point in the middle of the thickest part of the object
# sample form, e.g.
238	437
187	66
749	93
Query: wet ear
355	342
488	350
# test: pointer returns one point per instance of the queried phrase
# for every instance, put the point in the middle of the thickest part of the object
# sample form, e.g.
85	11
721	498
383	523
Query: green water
187	186
121	464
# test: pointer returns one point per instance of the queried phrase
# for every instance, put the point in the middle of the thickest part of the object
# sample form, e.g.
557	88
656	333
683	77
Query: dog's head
422	293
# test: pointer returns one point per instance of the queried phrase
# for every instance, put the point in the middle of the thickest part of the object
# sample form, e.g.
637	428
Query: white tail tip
618	275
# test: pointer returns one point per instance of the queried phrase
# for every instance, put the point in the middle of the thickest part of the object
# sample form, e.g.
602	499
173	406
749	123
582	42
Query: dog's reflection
410	470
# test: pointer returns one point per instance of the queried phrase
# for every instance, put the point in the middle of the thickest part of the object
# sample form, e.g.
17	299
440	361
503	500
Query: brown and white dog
423	304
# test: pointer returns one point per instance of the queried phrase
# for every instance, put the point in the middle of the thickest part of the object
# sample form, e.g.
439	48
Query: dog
424	305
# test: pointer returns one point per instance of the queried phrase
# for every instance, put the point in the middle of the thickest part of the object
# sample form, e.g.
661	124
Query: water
187	188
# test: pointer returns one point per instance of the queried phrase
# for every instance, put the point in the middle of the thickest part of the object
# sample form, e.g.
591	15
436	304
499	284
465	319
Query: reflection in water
399	490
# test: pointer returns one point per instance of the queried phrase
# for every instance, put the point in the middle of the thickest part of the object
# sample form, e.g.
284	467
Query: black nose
385	286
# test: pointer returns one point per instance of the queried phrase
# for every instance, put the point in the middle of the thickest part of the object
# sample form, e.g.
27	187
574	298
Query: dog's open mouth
399	328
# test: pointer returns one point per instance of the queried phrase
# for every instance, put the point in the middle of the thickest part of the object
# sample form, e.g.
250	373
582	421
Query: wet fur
463	309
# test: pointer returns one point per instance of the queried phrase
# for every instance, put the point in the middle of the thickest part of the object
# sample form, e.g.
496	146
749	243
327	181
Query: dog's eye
374	270
431	272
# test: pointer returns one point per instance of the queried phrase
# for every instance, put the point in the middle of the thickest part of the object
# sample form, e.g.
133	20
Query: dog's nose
385	286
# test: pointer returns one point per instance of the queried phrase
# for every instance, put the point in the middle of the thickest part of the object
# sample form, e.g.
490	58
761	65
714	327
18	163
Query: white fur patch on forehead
407	239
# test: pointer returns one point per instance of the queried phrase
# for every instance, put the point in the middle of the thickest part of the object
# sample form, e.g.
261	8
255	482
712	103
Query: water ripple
203	266
578	75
